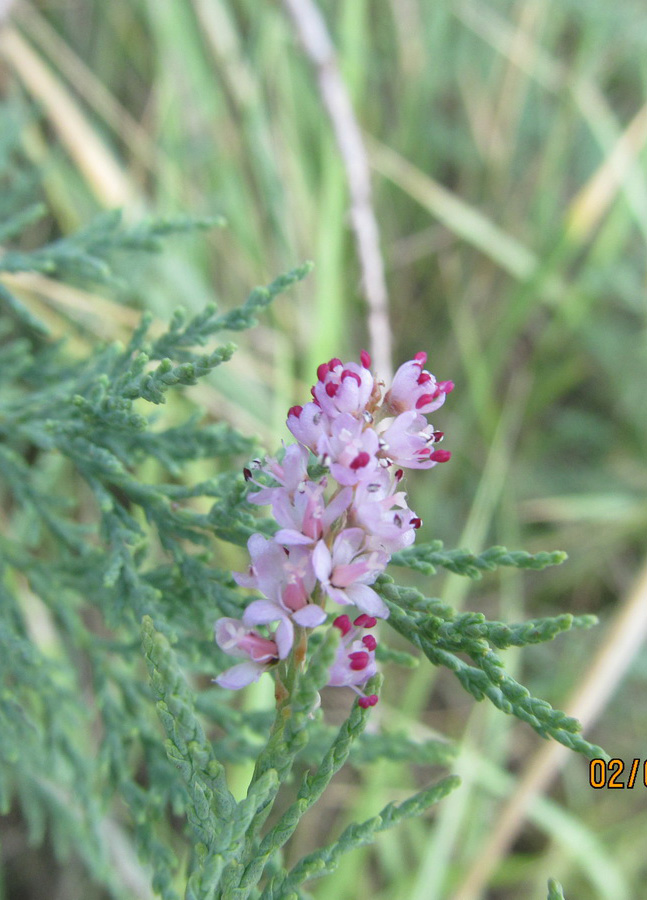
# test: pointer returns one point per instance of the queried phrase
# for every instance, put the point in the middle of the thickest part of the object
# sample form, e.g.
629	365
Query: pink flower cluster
339	531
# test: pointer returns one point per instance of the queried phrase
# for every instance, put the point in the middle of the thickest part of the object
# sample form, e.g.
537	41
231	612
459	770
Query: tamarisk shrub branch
110	586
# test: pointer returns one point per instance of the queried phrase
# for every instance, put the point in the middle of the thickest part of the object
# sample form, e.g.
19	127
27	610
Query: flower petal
284	637
228	632
310	616
261	612
240	676
290	536
321	561
338	595
347	545
337	506
366	599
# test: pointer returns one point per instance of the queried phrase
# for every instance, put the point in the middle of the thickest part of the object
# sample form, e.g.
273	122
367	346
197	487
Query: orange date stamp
616	773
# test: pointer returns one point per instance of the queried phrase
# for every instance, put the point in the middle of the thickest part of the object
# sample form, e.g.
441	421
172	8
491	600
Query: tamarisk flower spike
335	542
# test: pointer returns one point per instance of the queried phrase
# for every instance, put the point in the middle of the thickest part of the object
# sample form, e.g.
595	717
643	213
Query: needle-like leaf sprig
442	638
326	860
426	557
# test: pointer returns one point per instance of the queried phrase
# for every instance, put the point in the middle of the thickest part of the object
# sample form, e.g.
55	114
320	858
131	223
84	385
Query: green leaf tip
426	558
555	891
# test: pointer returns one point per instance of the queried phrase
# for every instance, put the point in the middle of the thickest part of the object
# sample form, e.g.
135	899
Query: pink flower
387	528
414	388
408	441
290	473
355	661
236	639
285	577
350	449
306	517
346	573
342	388
308	424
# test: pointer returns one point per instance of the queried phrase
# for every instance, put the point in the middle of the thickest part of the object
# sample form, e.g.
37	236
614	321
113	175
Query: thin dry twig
626	635
318	46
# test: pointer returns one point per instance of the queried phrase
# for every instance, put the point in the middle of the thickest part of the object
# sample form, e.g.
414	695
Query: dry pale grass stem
313	33
102	172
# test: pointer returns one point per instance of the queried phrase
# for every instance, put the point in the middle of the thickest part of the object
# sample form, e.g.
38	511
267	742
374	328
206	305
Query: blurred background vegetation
507	149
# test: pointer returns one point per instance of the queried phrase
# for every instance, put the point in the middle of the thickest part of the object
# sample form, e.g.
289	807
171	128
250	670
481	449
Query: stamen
369	642
365	702
440	456
416	522
358	660
331	388
348	374
365	359
365	621
424	377
420	358
343	623
322	371
247	474
334	362
424	399
368	418
399	475
362	459
295	411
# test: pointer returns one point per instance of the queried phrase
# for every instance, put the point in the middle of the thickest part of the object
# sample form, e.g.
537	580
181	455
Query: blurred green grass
507	144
